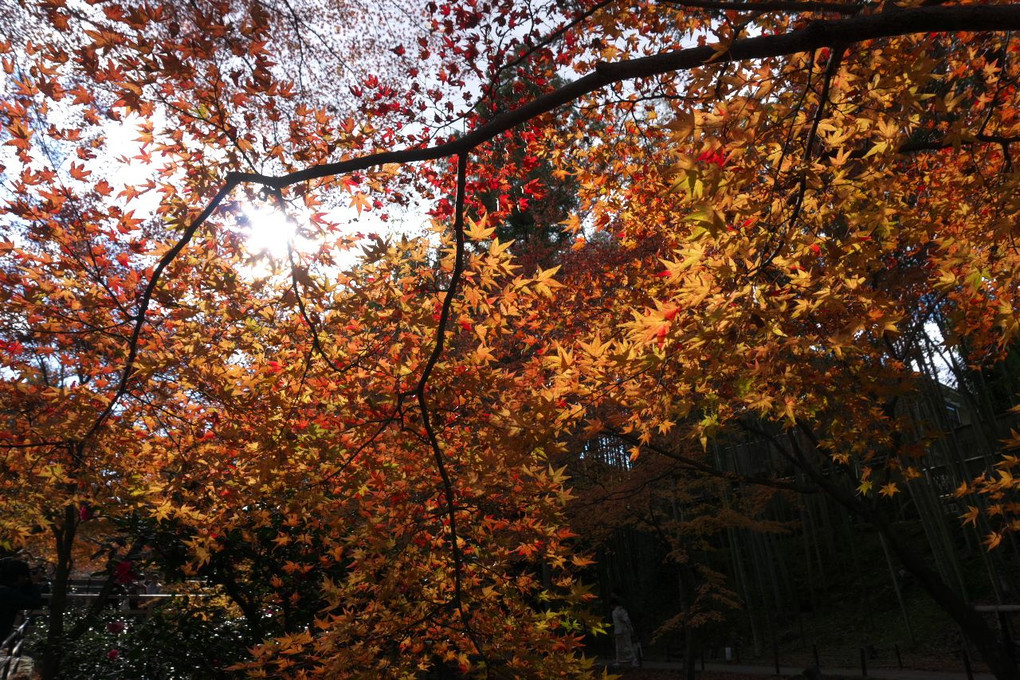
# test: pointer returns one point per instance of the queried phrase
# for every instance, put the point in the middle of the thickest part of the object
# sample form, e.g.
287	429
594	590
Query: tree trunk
692	643
253	614
53	648
688	587
971	623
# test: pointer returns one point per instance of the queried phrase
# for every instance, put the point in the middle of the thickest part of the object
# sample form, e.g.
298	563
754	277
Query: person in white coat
623	631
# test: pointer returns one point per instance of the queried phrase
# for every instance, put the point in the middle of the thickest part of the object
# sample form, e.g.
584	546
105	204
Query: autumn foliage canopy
367	426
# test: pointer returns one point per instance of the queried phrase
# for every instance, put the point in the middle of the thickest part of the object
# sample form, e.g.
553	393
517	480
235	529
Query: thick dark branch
815	35
835	59
778	6
455	276
939	144
426	417
143	304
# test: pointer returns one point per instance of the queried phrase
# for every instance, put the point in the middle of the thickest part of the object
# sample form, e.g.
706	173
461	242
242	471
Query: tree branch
295	286
554	35
839	32
420	393
971	18
771	6
101	599
143	304
712	471
835	59
938	145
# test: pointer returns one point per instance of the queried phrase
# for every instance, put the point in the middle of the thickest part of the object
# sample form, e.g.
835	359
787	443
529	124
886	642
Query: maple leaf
479	231
993	540
361	201
79	172
889	490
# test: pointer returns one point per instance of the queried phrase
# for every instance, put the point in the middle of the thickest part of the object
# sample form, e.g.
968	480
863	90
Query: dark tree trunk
972	624
690	652
249	606
53	649
689	586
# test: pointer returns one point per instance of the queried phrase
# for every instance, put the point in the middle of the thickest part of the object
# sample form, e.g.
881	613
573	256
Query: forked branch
420	393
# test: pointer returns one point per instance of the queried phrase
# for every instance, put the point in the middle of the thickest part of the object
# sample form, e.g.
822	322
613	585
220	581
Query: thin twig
835	59
553	36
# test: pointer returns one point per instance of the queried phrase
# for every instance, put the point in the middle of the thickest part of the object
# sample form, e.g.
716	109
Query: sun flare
270	232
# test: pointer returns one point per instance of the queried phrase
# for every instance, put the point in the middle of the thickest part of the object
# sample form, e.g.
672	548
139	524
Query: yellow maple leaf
479	231
361	201
993	540
970	517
